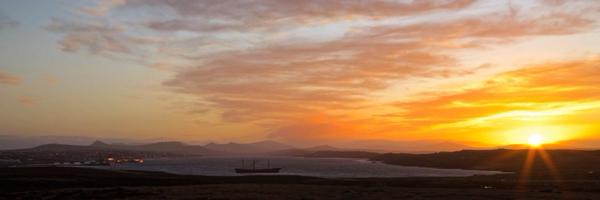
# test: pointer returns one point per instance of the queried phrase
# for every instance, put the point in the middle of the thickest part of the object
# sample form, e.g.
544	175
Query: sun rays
529	170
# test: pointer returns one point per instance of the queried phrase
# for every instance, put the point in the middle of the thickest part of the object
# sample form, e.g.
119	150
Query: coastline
296	166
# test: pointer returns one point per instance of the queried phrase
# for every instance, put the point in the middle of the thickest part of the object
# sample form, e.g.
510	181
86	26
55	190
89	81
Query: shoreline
409	171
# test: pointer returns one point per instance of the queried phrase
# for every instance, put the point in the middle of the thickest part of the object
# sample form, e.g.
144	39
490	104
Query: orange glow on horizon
535	140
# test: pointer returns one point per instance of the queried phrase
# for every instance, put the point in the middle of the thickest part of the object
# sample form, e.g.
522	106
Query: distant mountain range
22	142
420	146
170	147
256	148
262	147
212	149
266	147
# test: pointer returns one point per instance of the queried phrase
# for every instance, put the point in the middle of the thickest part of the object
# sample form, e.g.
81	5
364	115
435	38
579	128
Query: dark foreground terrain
572	164
86	183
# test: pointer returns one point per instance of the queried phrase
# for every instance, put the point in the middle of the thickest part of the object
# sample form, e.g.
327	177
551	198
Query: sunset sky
308	72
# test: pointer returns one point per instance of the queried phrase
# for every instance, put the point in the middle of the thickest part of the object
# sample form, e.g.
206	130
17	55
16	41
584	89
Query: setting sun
535	140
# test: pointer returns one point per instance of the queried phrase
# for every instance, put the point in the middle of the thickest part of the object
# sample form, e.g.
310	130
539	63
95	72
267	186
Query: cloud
278	64
50	79
250	23
6	78
96	37
102	7
554	2
559	93
288	80
558	99
7	22
101	33
26	100
230	15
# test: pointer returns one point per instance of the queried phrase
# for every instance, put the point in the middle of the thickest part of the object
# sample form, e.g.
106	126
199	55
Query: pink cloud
288	80
9	79
230	15
26	100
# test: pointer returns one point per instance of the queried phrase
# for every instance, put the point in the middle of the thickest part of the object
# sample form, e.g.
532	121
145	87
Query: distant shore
317	167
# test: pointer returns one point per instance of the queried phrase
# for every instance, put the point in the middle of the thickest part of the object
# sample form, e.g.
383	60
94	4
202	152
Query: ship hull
253	171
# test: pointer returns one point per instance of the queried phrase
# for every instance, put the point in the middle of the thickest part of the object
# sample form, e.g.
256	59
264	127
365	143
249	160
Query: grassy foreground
86	183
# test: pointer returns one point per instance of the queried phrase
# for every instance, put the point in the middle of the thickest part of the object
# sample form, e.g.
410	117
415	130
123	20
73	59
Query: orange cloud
26	100
9	79
551	94
286	81
50	80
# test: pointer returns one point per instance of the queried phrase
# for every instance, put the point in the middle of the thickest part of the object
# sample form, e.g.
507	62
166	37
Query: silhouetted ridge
165	144
99	143
60	147
579	162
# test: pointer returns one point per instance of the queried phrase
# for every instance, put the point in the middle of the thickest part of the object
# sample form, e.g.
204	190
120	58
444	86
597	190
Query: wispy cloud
7	22
50	79
26	100
10	79
561	93
102	7
218	16
320	66
96	37
277	80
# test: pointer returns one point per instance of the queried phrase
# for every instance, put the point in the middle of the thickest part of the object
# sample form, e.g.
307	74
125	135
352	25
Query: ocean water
318	167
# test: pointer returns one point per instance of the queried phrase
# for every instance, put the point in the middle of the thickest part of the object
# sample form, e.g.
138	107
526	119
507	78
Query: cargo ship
253	170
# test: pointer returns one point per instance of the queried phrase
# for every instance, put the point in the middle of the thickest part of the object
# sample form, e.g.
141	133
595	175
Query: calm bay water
319	167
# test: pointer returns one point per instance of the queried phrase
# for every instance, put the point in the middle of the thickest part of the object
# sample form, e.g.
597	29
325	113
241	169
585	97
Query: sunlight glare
535	140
